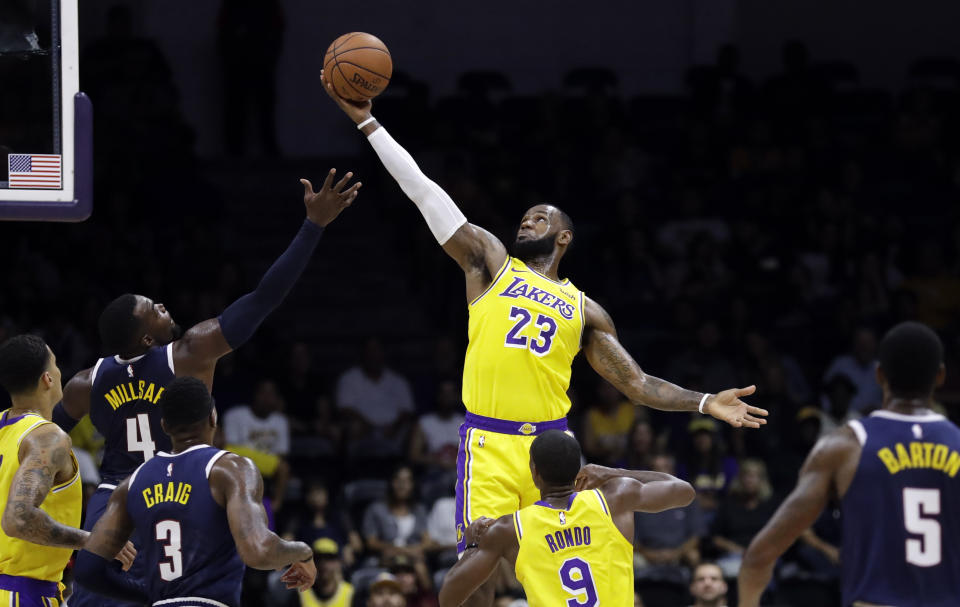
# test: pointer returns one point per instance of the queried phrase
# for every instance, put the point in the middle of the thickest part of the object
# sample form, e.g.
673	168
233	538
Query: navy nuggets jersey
123	408
185	537
901	524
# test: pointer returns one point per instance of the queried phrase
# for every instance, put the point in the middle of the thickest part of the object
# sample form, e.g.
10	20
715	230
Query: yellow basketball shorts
493	468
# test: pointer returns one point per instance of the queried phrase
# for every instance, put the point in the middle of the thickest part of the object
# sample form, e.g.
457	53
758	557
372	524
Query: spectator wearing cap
414	580
743	512
706	467
329	589
385	591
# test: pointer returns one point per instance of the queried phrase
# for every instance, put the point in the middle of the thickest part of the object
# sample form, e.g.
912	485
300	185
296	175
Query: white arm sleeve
442	215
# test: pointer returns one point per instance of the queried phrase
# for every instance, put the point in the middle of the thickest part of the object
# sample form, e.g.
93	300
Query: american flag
33	171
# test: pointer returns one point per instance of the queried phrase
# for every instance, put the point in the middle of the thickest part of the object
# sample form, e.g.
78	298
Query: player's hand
727	406
126	556
476	529
324	205
300	575
357	110
592	476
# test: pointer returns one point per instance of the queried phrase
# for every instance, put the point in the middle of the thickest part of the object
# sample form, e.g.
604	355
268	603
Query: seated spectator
300	387
323	438
607	425
442	535
706	467
320	521
260	431
377	402
745	510
436	436
329	589
641	445
708	587
397	525
385	591
666	542
414	580
860	366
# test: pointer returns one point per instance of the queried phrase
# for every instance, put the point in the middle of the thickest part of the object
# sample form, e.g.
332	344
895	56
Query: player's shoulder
233	466
835	447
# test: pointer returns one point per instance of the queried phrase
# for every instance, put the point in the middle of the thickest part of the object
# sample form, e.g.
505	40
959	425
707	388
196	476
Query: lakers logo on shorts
459	533
527	428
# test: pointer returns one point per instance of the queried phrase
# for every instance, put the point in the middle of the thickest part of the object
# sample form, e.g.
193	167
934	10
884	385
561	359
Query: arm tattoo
22	516
615	364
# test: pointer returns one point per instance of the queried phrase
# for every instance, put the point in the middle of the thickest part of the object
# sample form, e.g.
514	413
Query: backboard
46	123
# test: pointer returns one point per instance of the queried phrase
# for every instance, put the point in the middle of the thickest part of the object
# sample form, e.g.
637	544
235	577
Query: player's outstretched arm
76	401
44	459
108	540
610	359
472	247
491	540
815	486
237	485
197	352
636	490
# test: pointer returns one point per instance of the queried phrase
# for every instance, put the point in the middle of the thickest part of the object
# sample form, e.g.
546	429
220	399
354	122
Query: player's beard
533	248
176	331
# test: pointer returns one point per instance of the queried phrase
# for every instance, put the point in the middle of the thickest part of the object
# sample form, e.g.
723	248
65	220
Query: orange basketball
358	65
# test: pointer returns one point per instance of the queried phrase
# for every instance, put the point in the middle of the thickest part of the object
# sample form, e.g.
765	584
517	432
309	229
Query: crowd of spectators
741	233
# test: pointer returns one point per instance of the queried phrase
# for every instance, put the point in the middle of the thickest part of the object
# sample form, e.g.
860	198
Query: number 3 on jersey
138	436
538	345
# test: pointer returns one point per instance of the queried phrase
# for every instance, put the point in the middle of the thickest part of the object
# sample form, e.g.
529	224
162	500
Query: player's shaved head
911	359
556	457
184	403
119	324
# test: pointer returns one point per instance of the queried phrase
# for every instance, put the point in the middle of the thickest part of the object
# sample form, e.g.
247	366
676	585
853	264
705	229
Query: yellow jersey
63	504
575	555
524	331
341	598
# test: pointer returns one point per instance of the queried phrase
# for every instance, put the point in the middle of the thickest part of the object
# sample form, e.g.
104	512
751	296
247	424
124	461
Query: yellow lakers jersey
525	330
575	555
63	504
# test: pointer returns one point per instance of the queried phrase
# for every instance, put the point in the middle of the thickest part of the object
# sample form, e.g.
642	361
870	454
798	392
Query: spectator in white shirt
260	431
436	436
377	402
860	366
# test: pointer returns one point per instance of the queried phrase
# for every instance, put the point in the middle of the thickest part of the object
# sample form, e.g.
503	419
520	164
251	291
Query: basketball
358	65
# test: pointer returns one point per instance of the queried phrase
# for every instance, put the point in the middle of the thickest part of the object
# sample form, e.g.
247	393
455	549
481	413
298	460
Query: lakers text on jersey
575	554
524	330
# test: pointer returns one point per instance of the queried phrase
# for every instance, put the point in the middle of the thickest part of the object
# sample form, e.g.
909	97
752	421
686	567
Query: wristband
366	122
703	401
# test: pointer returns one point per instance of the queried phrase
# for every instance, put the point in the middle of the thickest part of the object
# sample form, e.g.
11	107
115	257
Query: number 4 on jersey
138	436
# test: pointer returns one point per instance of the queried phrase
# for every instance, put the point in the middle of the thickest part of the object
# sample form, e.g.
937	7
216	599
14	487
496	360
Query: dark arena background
760	190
